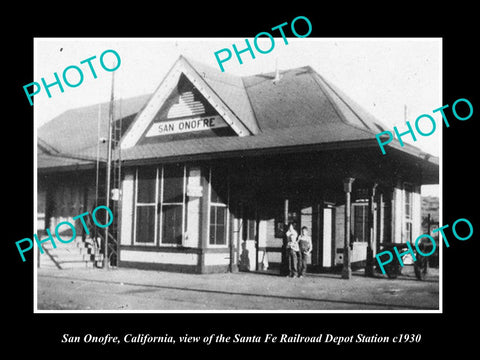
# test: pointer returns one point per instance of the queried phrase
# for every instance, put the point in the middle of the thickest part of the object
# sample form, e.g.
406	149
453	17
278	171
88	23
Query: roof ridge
193	62
251	107
343	100
242	87
322	82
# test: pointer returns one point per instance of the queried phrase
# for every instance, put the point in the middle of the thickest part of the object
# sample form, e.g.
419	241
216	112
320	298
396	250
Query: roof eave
338	145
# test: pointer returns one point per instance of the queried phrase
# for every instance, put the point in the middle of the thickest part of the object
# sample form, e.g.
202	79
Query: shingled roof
301	109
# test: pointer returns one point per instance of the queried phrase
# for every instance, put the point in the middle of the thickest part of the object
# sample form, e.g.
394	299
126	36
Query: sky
390	78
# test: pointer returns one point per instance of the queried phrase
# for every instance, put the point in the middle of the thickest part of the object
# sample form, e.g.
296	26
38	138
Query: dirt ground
134	290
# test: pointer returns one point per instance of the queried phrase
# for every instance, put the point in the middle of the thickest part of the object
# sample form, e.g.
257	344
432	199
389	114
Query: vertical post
381	220
370	232
109	164
229	233
347	269
393	235
204	217
284	264
429	219
97	174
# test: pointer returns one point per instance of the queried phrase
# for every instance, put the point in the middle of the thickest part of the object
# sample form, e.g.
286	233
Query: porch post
381	220
370	235
285	211
284	264
347	269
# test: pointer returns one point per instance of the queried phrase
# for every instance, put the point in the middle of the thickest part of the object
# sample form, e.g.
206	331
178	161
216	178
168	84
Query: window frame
158	206
249	225
364	205
161	204
216	204
137	204
408	191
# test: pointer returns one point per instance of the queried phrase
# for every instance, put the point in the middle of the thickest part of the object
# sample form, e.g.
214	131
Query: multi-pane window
248	231
360	213
249	223
159	205
218	216
146	205
172	204
218	207
408	212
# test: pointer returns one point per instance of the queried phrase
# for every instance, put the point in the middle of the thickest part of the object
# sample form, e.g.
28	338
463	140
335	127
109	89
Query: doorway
248	249
323	237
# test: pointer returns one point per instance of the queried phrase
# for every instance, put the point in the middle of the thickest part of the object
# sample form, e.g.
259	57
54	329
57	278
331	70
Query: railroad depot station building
213	165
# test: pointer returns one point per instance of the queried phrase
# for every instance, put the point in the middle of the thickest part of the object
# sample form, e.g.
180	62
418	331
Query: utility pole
109	163
347	268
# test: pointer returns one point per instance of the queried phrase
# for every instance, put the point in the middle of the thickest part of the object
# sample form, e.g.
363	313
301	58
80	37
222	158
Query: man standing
305	247
292	250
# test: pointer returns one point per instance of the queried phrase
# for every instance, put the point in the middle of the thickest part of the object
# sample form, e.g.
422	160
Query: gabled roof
226	94
71	138
301	109
49	159
75	131
231	90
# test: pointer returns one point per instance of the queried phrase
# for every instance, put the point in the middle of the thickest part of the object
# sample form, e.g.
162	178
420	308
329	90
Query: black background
42	332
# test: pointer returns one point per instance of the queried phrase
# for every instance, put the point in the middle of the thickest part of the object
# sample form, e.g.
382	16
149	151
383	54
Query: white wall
159	257
398	197
399	214
127	209
217	258
417	214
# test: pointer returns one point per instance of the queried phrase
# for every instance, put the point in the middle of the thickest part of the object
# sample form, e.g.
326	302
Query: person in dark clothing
305	248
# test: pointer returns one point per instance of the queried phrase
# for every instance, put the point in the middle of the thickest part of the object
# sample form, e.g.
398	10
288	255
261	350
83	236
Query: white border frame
407	311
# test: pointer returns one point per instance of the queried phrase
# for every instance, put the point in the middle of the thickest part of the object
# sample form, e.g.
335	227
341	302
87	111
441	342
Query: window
146	186
173	184
159	205
173	196
360	213
249	222
408	203
145	205
218	215
145	224
218	208
248	230
172	224
387	220
408	212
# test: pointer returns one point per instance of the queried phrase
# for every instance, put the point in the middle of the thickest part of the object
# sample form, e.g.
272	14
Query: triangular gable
182	100
185	114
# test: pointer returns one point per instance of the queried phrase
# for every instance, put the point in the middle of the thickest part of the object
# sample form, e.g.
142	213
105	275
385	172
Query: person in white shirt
292	250
305	245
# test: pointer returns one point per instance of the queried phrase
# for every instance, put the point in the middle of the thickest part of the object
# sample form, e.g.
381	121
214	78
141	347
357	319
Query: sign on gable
184	114
185	125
